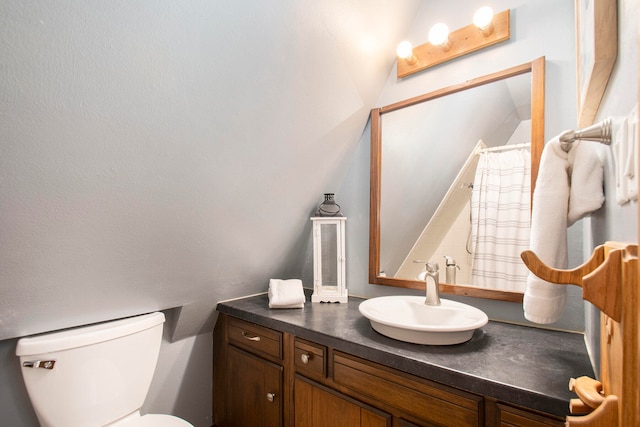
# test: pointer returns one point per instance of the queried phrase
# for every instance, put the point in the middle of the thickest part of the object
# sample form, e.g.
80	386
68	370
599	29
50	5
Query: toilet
95	376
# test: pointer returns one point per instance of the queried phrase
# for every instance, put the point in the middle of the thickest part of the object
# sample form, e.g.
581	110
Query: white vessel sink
408	318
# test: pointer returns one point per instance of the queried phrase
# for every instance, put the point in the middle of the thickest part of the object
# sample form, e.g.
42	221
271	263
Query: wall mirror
422	154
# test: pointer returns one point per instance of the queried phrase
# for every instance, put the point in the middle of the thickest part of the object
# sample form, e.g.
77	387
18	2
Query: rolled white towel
286	293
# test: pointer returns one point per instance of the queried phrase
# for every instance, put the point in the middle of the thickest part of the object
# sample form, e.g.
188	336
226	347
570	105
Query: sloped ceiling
161	154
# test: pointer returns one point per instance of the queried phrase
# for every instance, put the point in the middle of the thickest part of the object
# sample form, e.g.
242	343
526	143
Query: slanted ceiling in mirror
435	142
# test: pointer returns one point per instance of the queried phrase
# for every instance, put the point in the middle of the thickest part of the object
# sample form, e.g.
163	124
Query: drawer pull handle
271	397
304	357
250	337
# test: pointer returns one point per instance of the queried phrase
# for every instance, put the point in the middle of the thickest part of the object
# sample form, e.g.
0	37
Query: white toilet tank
100	373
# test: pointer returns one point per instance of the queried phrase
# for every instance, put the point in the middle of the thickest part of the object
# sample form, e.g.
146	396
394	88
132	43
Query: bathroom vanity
325	366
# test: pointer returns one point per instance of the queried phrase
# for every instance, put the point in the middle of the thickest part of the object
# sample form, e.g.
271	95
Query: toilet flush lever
44	364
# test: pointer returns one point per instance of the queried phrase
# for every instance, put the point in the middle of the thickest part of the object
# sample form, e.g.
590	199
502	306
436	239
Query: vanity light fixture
439	36
405	51
487	29
483	19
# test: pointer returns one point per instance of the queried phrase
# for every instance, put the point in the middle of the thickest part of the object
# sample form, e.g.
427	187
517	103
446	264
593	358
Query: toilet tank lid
86	335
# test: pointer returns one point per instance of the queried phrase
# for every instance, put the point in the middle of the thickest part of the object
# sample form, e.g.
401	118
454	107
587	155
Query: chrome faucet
432	279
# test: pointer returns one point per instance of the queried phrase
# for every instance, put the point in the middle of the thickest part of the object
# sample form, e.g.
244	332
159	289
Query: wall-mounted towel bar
599	132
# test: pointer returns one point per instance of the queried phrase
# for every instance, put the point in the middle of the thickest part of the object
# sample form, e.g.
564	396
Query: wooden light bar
463	41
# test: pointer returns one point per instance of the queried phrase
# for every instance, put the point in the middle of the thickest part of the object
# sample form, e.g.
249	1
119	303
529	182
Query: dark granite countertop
516	364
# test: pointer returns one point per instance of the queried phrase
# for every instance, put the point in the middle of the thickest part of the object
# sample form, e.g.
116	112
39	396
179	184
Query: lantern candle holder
329	259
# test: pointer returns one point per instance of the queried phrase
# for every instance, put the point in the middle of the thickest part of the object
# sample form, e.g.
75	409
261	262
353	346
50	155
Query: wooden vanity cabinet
263	377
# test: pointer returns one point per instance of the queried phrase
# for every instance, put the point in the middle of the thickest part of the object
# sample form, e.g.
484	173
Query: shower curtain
500	220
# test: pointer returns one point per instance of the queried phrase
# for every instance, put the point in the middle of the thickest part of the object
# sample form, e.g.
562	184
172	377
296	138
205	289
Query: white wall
538	28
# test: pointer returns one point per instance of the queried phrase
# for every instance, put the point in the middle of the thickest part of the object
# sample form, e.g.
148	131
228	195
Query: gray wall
161	154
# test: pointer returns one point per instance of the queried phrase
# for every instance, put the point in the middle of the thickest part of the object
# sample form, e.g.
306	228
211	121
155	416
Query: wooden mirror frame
537	70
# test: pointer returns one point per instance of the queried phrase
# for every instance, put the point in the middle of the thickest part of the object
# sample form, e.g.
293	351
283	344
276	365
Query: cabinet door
318	406
254	391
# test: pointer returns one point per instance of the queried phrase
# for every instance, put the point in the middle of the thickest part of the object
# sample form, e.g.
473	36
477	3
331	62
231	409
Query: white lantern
329	260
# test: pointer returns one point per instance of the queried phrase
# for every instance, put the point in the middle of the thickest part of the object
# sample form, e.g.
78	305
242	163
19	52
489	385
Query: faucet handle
432	267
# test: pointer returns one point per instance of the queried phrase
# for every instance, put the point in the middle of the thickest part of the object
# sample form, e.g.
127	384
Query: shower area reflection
482	221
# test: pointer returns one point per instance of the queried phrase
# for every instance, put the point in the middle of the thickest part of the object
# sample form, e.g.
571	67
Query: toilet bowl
152	420
97	375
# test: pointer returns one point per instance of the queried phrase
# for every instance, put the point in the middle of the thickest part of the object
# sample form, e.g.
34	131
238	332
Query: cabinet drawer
425	400
254	338
310	358
507	416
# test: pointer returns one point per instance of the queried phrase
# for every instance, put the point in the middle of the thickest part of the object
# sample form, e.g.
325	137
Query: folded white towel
286	293
569	186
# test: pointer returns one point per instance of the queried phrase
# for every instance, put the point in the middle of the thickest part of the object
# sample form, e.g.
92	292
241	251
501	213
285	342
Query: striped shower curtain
500	218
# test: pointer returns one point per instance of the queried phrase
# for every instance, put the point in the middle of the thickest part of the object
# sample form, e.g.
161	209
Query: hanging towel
569	186
619	149
631	165
586	192
625	159
286	293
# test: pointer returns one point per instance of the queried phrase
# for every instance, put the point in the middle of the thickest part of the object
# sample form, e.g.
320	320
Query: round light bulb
404	50
482	18
439	34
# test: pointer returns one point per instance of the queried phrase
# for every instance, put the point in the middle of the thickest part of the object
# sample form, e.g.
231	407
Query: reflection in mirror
425	154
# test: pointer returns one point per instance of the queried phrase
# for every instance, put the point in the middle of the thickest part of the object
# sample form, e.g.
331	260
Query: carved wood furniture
609	280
